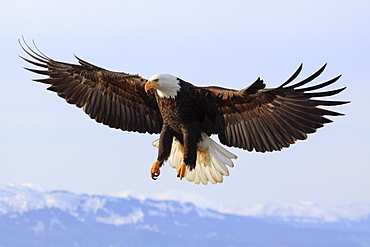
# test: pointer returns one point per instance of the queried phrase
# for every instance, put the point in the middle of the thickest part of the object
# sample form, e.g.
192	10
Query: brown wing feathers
115	99
270	119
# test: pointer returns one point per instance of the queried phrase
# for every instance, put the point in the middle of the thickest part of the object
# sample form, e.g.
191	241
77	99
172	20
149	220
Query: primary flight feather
185	116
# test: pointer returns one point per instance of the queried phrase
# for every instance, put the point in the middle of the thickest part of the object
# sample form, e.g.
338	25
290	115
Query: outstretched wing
270	119
112	98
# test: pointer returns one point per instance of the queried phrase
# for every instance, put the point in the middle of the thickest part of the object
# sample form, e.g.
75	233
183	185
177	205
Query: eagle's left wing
268	119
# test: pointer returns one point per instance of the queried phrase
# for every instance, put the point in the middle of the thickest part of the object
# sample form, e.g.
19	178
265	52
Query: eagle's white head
167	86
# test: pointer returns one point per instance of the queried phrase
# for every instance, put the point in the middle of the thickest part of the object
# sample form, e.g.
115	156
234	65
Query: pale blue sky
47	142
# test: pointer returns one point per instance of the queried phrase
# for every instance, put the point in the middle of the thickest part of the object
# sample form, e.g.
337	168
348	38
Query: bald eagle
185	116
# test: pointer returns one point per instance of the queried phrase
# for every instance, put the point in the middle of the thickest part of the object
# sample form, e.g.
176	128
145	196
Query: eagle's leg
155	171
164	151
181	171
190	138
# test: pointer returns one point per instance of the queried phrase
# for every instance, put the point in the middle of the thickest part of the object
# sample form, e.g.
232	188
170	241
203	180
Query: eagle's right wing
112	98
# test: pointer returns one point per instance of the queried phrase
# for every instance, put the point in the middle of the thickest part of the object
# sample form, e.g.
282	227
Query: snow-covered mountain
30	216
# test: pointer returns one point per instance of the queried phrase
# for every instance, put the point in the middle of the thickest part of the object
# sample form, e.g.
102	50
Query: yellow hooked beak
149	85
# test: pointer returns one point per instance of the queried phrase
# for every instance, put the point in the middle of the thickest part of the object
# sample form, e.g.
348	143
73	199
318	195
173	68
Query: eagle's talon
155	171
155	175
181	171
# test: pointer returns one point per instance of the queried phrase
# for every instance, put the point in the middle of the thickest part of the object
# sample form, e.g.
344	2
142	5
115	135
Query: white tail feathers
212	160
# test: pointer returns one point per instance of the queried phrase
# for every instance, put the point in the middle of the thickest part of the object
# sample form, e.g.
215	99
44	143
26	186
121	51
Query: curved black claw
155	175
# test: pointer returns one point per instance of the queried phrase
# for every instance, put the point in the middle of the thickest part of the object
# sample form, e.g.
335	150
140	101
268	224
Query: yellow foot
155	171
181	171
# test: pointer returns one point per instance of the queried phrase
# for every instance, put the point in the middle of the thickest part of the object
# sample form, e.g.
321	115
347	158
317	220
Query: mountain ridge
19	198
62	218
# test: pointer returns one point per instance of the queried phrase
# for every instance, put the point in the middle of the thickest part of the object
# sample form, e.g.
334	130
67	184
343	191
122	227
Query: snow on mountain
61	218
305	211
19	199
27	197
